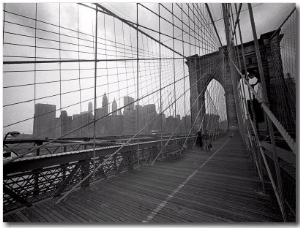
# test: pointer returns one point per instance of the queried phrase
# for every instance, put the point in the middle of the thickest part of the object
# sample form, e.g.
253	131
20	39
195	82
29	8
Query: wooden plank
22	217
15	217
225	189
32	216
8	218
56	212
120	206
47	214
67	213
86	203
145	191
127	202
81	215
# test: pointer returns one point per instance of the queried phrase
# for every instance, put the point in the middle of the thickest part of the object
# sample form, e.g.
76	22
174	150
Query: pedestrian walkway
216	186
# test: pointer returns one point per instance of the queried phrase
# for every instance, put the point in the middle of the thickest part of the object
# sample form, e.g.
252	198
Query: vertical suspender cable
270	125
259	168
59	43
79	65
174	64
34	79
137	82
95	95
183	68
4	5
160	99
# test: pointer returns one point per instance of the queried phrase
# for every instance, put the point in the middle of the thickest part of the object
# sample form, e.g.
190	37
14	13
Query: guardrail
31	179
70	144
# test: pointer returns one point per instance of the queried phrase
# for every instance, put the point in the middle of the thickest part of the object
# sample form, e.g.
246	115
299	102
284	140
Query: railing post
63	170
115	162
36	190
130	160
85	170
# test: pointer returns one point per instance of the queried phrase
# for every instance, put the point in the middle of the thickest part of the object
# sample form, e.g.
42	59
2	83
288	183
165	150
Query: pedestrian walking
199	140
206	140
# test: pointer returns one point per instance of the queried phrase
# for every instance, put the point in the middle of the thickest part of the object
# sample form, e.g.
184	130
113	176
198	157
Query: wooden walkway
216	186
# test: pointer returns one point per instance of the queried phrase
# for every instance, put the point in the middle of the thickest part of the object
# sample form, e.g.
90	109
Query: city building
115	125
90	107
44	117
170	125
100	124
128	103
66	122
129	123
114	107
105	104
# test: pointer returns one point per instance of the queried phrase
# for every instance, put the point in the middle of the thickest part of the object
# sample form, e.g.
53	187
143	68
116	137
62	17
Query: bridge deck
198	186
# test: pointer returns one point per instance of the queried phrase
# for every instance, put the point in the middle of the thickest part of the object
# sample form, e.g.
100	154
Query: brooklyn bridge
149	112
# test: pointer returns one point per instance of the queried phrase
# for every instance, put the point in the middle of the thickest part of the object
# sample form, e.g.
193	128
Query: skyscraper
114	108
105	104
128	103
66	122
90	107
44	117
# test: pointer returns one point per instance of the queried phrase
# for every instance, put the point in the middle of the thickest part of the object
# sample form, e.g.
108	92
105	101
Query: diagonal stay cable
290	141
125	144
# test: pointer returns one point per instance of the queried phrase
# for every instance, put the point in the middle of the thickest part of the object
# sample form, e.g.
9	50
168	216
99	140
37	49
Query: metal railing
31	179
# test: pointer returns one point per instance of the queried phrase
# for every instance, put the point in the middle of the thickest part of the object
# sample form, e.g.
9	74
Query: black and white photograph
162	113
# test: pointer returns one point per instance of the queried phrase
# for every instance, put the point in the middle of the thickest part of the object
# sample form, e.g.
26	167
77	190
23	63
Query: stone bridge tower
202	69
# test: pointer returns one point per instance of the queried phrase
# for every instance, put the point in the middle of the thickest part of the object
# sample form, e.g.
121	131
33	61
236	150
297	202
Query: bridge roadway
197	186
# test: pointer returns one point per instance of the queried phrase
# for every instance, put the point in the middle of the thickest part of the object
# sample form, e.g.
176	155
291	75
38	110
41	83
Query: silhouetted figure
199	140
206	141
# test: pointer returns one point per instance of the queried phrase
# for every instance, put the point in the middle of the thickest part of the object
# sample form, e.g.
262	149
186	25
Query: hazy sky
115	40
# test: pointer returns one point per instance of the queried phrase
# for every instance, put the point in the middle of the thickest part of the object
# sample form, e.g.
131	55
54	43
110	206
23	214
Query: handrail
281	153
34	162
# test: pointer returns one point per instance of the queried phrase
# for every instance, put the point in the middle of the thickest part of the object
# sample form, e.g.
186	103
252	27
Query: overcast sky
119	41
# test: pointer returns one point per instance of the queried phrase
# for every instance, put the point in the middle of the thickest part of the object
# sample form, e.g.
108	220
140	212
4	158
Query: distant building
44	116
149	108
76	123
185	125
139	108
128	103
115	125
114	107
129	122
84	123
56	124
90	107
101	124
120	112
87	122
66	122
149	118
170	125
105	104
139	112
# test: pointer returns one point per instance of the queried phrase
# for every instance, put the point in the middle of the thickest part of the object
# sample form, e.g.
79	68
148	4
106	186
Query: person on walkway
199	140
206	141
